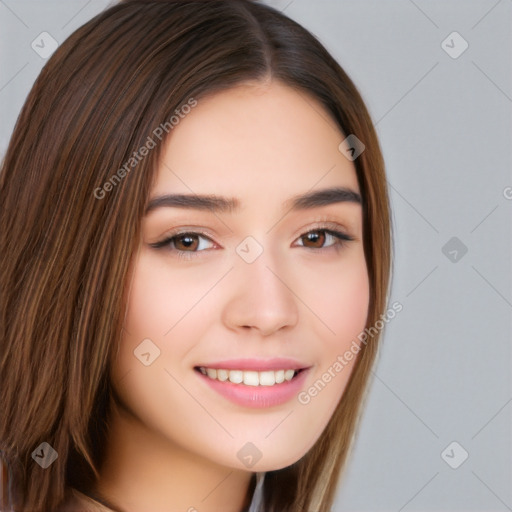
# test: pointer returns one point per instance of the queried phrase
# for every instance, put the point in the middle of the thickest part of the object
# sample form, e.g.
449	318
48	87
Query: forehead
258	142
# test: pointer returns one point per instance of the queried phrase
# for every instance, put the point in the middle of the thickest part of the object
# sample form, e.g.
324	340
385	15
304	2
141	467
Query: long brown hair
67	248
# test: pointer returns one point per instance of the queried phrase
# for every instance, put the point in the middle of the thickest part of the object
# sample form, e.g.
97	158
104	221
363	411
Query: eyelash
341	240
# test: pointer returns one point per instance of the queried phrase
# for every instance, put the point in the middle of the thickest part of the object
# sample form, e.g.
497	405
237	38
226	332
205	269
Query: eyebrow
220	204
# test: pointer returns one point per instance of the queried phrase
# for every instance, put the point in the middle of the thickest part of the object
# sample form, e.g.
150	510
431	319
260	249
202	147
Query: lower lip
257	397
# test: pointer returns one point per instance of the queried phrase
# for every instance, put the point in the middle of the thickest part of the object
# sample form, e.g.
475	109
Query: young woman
195	236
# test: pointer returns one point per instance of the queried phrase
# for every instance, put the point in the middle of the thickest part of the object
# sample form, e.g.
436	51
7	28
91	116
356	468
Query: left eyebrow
214	203
323	197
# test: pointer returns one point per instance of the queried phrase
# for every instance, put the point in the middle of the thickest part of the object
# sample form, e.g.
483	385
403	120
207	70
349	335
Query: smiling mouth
249	377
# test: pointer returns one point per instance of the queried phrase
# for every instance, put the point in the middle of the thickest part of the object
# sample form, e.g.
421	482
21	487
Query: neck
142	470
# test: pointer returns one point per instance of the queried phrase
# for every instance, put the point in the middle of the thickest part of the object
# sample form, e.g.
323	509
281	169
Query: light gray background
444	123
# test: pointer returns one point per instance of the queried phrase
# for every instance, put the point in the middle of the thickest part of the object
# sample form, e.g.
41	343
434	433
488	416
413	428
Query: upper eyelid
325	224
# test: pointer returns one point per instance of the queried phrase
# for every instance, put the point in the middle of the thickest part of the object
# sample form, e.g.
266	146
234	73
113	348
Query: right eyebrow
196	202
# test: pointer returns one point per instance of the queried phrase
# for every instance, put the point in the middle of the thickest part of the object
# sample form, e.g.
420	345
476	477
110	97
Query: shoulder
75	501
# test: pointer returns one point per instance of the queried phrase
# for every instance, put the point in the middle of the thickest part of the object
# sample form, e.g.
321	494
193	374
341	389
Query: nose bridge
257	265
261	298
260	274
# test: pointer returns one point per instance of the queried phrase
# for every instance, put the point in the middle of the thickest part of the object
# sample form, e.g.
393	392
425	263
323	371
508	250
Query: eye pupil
186	240
315	237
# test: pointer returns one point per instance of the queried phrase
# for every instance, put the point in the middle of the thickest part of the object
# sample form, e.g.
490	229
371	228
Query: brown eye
316	238
186	242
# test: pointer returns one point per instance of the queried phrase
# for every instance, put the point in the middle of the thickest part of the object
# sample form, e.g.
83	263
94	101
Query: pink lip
258	365
257	396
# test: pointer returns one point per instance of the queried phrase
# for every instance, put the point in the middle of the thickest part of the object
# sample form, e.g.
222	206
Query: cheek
148	303
347	302
153	308
338	296
164	306
161	295
160	328
340	302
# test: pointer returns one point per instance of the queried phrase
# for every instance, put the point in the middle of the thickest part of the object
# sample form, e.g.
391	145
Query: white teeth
222	375
236	376
249	378
212	373
267	378
288	374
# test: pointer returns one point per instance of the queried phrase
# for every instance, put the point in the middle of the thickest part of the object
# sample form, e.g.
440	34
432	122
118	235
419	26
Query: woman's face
244	287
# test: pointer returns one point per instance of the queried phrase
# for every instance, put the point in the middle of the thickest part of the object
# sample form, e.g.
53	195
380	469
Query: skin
173	441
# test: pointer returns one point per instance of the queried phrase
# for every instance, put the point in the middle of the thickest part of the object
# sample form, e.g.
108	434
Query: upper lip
280	363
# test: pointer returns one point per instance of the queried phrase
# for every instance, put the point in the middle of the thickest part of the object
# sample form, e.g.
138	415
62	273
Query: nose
261	296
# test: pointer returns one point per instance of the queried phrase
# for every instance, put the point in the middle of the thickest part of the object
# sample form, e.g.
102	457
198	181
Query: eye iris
315	236
189	243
